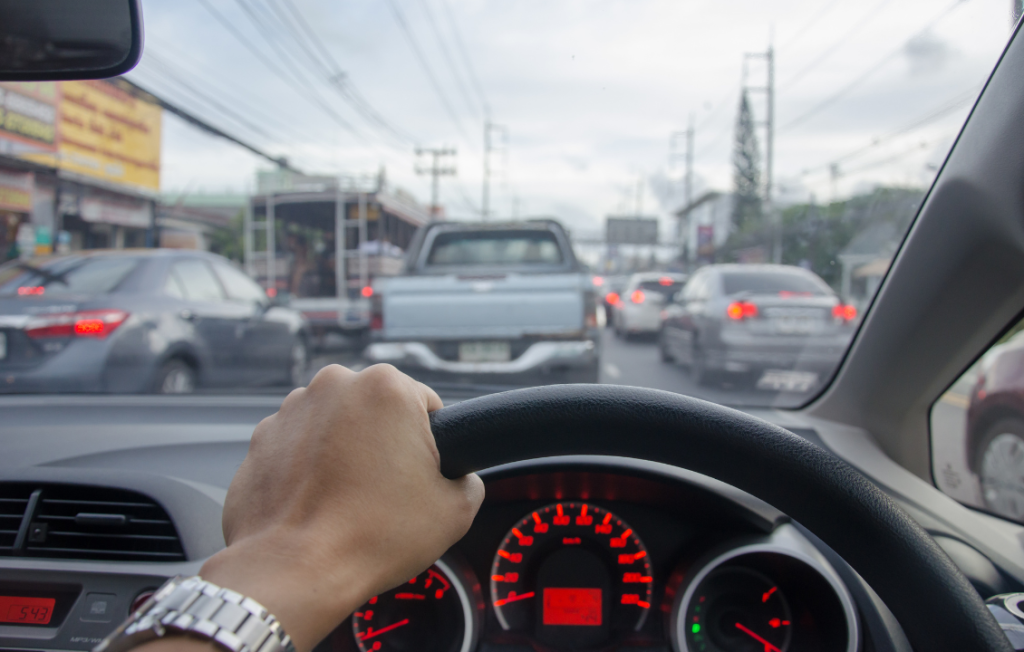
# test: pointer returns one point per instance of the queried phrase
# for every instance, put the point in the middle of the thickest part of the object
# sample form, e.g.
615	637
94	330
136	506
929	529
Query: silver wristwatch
199	609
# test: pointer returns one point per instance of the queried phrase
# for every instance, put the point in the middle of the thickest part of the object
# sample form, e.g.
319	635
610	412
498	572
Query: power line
414	45
466	59
942	110
810	23
302	88
835	45
331	70
447	55
878	65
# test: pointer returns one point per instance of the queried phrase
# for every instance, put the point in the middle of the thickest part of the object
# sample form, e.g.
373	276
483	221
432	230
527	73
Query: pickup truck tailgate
503	306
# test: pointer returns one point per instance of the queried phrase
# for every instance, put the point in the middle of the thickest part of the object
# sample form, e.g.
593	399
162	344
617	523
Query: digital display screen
26	611
572	607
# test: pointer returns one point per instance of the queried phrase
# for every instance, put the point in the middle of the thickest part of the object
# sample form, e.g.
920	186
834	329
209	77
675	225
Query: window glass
495	248
173	286
239	286
198	280
762	282
668	290
62	276
977	431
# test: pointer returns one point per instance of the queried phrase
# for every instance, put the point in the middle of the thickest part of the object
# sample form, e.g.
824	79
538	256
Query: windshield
769	282
71	275
490	248
697	197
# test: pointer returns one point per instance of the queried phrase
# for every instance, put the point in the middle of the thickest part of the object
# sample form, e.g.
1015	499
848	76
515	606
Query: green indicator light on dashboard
695	628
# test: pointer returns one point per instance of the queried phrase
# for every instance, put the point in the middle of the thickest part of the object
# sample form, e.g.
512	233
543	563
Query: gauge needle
501	603
768	647
368	635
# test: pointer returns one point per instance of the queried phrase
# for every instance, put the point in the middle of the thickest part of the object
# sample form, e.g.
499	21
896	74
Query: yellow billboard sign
106	133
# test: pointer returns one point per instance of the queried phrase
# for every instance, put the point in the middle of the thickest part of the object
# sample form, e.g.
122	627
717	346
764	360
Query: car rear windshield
65	276
770	283
667	289
492	248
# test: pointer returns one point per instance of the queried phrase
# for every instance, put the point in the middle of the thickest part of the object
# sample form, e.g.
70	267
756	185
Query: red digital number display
26	611
572	607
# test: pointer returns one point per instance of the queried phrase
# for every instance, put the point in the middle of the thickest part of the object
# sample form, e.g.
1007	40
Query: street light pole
436	171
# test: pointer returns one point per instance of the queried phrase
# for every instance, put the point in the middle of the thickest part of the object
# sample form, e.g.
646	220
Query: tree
746	160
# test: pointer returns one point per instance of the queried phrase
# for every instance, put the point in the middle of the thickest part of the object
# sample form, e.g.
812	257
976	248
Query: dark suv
149	320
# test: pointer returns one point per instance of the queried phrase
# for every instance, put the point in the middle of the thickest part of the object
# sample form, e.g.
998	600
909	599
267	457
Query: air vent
85	522
13	502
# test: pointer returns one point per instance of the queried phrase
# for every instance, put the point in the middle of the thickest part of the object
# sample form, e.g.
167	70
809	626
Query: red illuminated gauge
572	574
429	613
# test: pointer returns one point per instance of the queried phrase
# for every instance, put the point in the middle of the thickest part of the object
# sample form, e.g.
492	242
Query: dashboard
570	553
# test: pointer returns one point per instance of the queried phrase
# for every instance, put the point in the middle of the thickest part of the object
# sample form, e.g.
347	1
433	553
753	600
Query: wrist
307	598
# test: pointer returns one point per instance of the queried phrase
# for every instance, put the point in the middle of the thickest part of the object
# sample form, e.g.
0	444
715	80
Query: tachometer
429	613
573	575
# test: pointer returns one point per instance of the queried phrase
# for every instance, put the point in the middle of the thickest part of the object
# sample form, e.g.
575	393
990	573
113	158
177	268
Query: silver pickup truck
499	303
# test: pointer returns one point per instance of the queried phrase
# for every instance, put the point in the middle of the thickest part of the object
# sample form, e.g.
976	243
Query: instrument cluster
576	573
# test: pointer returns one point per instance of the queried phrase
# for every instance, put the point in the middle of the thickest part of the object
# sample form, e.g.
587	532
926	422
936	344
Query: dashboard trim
785	540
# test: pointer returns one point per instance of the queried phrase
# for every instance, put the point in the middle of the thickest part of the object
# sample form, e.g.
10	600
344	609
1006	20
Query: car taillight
740	310
846	312
376	313
367	291
637	296
87	323
598	281
31	291
612	298
666	281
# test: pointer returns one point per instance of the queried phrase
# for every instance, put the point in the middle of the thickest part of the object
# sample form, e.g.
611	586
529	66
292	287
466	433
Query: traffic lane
637	362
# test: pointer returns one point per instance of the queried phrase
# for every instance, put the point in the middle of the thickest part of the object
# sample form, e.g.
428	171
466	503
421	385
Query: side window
239	286
977	431
197	280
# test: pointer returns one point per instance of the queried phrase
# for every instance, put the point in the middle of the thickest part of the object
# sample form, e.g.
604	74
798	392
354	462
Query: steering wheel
933	601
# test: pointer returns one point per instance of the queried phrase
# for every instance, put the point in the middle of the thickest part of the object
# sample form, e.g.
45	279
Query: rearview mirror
68	39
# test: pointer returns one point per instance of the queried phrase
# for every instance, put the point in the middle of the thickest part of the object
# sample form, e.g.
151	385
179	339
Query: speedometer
572	574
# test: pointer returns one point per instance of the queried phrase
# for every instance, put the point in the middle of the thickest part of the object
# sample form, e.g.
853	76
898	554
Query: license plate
787	381
3	345
485	352
796	325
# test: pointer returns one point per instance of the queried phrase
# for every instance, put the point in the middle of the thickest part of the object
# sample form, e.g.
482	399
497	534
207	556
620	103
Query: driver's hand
340	498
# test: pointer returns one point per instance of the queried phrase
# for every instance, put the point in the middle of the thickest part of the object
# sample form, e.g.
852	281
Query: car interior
813	528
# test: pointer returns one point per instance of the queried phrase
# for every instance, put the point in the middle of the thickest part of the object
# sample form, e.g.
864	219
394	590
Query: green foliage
228	242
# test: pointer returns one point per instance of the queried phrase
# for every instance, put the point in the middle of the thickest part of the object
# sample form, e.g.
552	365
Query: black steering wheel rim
933	601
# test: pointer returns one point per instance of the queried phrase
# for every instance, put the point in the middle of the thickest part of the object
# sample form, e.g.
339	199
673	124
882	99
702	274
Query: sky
588	96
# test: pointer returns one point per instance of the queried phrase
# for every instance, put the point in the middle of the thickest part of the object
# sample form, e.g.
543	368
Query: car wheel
175	377
298	363
666	355
698	368
1000	459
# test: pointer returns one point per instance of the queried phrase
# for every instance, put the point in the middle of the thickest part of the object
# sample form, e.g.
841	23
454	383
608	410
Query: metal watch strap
198	608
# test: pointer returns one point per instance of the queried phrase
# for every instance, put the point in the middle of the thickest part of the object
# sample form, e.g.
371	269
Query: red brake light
88	323
845	312
740	310
271	292
31	290
664	280
612	298
598	281
637	296
367	291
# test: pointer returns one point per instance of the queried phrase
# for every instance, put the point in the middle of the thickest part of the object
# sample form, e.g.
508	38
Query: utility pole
436	171
489	128
768	89
688	137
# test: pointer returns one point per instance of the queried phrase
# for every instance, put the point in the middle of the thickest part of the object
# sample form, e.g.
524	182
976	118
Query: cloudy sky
589	92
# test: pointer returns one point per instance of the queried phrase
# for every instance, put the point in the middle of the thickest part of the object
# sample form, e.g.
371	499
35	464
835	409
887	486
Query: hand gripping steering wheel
934	603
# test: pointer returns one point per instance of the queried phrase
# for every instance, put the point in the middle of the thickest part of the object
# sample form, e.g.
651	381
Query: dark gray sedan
780	326
148	320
